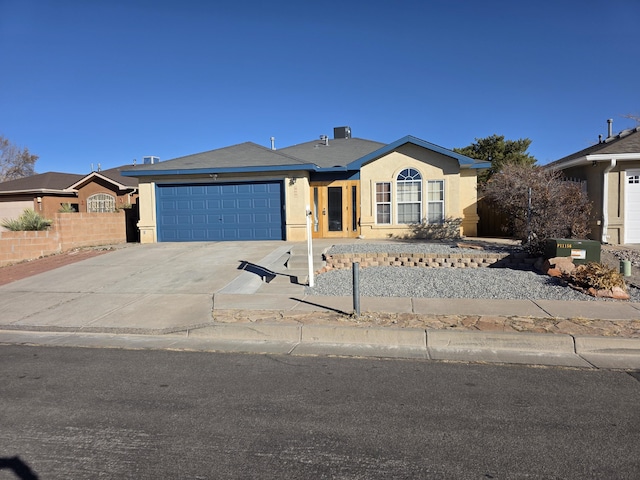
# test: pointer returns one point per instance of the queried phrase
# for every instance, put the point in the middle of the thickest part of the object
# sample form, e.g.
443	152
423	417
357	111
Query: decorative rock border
520	260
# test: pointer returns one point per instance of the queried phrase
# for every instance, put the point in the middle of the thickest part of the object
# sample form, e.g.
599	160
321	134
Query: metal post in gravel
356	287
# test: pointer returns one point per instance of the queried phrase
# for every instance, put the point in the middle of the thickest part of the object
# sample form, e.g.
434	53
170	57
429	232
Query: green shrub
29	220
66	208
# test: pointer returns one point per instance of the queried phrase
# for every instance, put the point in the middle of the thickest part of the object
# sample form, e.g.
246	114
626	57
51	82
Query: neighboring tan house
46	193
351	187
610	171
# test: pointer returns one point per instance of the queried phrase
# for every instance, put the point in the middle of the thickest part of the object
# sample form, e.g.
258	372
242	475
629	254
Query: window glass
435	201
409	196
383	203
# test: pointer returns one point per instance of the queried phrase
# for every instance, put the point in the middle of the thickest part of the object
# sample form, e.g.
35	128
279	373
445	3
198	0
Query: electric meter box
581	251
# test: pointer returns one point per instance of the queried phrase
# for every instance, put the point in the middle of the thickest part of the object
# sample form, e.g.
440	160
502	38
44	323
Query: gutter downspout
605	198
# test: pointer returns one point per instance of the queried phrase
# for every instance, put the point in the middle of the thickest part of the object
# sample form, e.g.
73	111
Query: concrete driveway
157	286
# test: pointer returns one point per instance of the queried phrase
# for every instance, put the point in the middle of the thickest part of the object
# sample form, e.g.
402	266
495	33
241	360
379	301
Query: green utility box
582	251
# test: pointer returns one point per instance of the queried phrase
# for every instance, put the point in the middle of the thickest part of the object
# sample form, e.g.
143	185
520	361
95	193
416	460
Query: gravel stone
490	283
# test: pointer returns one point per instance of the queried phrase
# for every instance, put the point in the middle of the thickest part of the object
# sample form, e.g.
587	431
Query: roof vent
610	131
342	132
150	160
324	139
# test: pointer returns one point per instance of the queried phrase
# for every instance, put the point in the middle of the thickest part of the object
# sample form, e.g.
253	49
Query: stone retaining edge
338	261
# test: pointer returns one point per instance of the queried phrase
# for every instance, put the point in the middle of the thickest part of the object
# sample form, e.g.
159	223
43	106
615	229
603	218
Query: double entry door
335	209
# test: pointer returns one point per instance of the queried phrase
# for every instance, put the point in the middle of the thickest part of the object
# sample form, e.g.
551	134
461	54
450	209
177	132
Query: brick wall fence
68	231
518	260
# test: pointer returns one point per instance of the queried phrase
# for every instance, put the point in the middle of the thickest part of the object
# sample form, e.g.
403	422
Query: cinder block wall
68	231
90	229
429	260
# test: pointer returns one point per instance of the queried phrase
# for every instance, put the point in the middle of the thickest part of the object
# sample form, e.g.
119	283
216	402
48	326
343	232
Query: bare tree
540	204
15	162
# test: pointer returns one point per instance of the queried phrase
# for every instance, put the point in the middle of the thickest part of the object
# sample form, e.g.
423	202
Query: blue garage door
221	211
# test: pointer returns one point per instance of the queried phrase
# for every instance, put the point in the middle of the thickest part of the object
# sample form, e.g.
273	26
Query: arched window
409	196
101	203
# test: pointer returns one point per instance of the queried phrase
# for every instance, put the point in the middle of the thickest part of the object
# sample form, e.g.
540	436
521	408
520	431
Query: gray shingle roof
627	141
42	181
246	154
338	152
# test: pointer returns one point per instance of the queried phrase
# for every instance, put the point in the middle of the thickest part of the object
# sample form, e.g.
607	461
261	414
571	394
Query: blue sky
106	81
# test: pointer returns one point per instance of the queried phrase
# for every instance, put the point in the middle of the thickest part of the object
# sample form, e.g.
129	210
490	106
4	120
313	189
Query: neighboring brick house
351	187
610	172
100	191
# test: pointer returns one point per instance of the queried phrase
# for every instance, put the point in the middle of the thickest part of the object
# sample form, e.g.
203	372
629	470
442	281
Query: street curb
384	342
398	337
251	332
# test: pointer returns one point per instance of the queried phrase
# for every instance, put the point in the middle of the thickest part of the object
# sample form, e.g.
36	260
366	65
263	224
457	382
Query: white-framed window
409	196
435	201
101	203
633	179
383	203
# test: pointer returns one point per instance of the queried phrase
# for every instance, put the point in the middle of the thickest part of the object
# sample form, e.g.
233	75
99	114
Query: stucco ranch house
352	187
610	172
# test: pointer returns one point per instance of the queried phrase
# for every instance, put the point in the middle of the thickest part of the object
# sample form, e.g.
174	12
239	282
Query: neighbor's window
634	179
383	203
101	203
435	201
409	196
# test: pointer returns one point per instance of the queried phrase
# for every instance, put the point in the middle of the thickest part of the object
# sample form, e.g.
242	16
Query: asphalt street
109	413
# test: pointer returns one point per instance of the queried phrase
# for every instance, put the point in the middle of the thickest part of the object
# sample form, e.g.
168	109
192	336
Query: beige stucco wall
147	206
460	189
594	176
297	195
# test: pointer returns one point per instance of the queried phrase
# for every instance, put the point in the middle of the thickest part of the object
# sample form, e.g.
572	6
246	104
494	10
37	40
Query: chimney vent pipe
273	143
610	129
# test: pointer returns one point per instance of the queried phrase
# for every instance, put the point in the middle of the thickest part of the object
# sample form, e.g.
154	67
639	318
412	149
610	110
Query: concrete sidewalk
174	296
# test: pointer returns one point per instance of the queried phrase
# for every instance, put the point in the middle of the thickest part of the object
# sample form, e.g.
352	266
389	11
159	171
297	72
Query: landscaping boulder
558	266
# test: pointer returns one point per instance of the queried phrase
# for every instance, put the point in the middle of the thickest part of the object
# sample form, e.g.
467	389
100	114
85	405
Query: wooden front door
335	209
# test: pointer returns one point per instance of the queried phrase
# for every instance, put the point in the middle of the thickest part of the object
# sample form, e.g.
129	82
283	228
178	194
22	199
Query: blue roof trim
462	159
200	171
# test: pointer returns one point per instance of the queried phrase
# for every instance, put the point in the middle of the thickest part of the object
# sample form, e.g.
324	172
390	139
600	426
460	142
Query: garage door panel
241	211
632	207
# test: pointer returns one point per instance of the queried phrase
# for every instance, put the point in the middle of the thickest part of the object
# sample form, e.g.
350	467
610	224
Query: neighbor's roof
49	182
626	142
112	175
